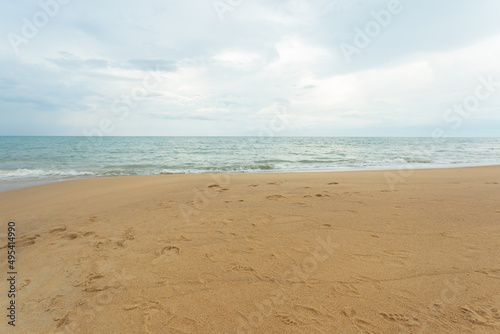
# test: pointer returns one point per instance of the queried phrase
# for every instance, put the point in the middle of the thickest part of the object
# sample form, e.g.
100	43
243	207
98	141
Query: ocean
28	161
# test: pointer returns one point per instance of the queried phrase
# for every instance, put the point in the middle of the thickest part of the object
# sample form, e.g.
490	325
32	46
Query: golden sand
336	252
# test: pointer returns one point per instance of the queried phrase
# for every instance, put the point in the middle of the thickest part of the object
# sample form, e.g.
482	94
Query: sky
250	67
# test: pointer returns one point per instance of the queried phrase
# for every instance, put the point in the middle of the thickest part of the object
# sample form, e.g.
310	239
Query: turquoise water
37	159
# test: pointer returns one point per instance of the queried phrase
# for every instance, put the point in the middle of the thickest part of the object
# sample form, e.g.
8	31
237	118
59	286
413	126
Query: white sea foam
20	174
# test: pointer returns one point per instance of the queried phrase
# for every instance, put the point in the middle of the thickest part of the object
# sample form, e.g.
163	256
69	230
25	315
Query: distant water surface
32	160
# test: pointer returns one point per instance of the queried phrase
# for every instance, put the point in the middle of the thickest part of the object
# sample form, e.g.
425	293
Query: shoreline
11	185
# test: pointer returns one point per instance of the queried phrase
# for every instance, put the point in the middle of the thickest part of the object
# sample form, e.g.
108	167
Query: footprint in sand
475	316
94	276
361	324
346	289
275	197
349	312
26	241
306	314
148	309
171	250
163	205
239	267
128	235
180	324
183	238
217	188
410	321
63	321
59	229
494	273
71	236
96	282
287	319
495	313
228	221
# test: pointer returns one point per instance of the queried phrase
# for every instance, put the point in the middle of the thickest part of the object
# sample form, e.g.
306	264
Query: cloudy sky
241	67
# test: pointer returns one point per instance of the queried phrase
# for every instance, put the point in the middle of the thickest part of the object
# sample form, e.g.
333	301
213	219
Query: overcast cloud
232	67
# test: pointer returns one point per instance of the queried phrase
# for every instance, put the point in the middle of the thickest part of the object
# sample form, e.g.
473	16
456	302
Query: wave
40	173
189	168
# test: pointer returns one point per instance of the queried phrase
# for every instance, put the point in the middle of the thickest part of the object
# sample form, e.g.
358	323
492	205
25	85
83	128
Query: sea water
32	160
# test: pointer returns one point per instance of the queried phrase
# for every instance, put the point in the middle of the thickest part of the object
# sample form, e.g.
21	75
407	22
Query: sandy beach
333	252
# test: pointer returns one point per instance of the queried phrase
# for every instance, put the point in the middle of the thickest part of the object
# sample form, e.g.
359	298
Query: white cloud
238	59
229	77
